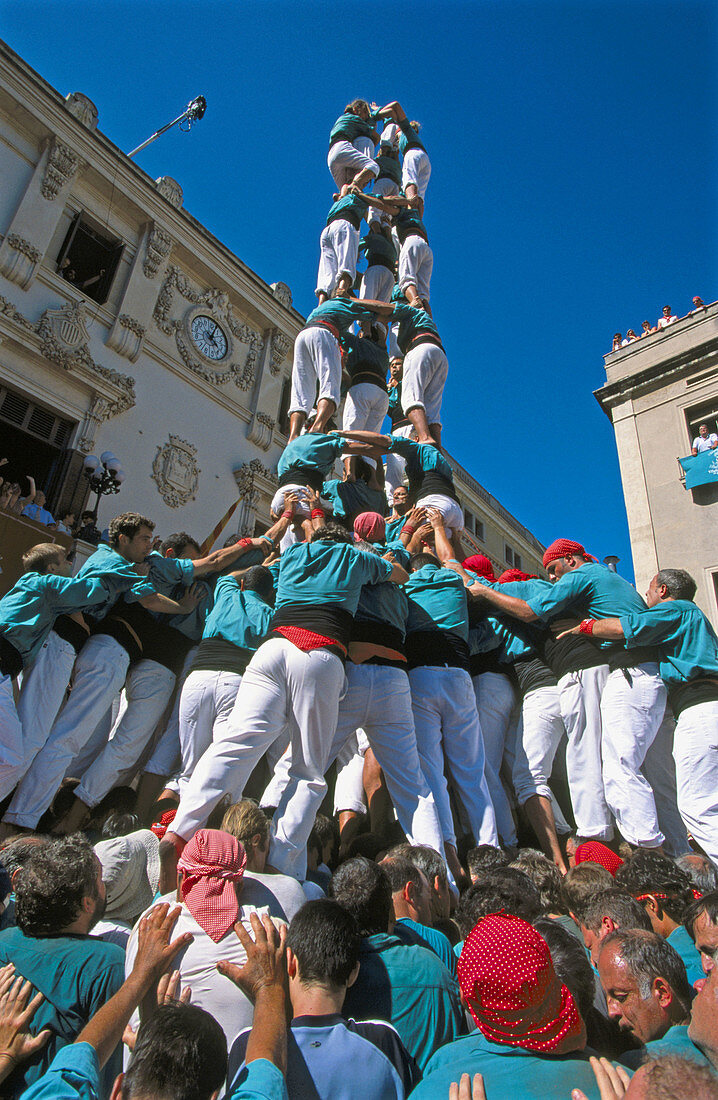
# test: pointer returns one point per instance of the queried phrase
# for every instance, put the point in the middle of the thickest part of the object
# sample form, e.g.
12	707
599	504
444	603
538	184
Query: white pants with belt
633	703
448	734
166	753
282	689
451	512
496	702
338	250
416	262
695	751
100	671
206	704
316	360
425	370
416	169
349	786
395	465
580	698
365	407
540	731
345	161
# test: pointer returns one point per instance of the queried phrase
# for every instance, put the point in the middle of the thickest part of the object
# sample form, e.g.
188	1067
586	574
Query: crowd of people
668	317
32	504
512	888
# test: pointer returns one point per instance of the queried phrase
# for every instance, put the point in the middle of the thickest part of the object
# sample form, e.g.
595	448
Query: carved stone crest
64	331
82	107
176	471
19	259
170	190
282	293
62	165
158	248
260	429
280	346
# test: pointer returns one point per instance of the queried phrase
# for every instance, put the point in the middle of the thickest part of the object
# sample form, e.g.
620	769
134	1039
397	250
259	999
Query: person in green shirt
351	138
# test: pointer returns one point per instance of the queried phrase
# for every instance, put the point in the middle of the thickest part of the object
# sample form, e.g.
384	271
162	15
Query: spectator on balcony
647	328
699	305
630	337
66	524
35	508
704	441
87	531
667	319
617	337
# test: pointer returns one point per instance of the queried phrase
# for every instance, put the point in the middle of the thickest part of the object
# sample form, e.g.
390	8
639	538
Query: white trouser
580	698
448	734
345	162
495	702
395	465
540	731
383	187
165	758
659	769
100	671
425	371
338	250
148	690
206	704
282	689
632	706
12	754
349	786
98	739
279	760
316	360
365	408
416	169
451	512
695	751
42	693
416	262
377	283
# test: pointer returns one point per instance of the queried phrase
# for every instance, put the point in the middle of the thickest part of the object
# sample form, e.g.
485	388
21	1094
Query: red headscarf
561	547
480	565
516	575
370	526
160	827
507	978
595	852
211	863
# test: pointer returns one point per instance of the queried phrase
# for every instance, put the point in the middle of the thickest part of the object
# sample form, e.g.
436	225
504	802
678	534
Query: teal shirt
687	641
314	450
239	617
675	1042
412	321
411	989
394	528
350	498
515	639
167	573
384	603
389	166
411	932
340	312
407	221
117	574
28	611
420	458
408	137
349	127
378	250
437	601
511	1073
77	975
682	943
327	572
365	361
592	592
349	208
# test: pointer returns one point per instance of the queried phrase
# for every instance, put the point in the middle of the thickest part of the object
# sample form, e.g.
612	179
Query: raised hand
266	965
16	1042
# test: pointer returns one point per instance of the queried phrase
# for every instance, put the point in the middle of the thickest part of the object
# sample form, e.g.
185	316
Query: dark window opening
34	441
283	415
88	258
508	554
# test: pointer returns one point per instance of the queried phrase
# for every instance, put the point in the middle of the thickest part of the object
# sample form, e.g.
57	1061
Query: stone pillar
135	309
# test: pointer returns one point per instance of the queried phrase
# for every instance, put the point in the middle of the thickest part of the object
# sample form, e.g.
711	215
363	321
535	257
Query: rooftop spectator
667	318
699	305
648	329
607	912
406	986
262	887
617	339
645	983
701	920
629	338
704	441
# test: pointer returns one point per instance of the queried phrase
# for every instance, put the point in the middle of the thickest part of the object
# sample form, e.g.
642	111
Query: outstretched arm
600	628
384	309
444	549
374	439
510	605
218	560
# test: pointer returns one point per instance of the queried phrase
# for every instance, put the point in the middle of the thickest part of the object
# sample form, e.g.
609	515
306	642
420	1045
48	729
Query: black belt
691	693
10	659
345	216
302	475
71	631
219	655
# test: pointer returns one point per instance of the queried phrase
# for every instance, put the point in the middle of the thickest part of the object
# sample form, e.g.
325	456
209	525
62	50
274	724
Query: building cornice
674	369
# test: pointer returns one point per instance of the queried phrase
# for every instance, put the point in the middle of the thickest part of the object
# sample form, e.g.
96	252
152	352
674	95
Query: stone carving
170	190
62	165
260	430
82	108
216	302
10	310
282	293
131	324
158	248
176	471
21	245
249	478
19	259
280	346
126	337
98	412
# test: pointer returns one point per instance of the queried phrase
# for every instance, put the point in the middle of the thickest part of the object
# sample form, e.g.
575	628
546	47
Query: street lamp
105	476
611	561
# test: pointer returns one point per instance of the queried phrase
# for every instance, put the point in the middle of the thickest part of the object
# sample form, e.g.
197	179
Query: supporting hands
167	988
612	1081
16	1041
192	597
266	967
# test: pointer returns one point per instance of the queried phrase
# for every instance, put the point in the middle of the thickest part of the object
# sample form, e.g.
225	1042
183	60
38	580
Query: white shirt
700	444
663	322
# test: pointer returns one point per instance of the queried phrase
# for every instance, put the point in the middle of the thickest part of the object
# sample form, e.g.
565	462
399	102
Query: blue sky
572	195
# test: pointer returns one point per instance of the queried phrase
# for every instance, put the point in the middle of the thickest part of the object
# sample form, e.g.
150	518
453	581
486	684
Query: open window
89	257
283	414
705	413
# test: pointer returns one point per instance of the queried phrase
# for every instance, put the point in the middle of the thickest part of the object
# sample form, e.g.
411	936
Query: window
468	521
283	414
478	529
508	554
517	561
25	414
89	257
706	413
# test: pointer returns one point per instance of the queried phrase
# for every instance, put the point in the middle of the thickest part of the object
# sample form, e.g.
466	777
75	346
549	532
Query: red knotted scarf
211	863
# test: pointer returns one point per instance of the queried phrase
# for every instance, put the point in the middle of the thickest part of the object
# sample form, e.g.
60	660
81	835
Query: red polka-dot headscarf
211	863
480	565
507	978
561	547
595	852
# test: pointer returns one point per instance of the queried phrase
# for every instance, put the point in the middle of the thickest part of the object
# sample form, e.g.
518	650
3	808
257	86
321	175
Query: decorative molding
82	107
133	325
19	260
126	337
158	247
21	245
260	430
10	310
253	479
216	302
176	472
98	412
62	166
170	190
282	293
281	344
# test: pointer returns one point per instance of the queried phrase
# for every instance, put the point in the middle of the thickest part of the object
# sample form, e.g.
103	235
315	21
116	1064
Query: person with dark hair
501	889
323	944
349	140
428	860
545	876
367	364
59	897
702	873
292	683
408	986
645	983
701	921
339	241
608	911
687	649
704	441
581	883
358	493
411	901
703	1028
483	859
665	893
181	1051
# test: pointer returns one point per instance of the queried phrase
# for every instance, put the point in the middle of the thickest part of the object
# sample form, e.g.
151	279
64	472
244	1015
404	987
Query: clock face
209	337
